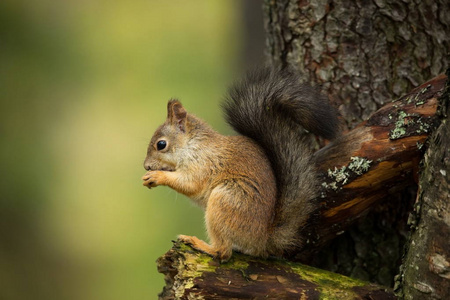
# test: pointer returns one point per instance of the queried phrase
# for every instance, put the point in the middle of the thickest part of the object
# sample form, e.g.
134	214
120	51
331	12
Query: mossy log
190	274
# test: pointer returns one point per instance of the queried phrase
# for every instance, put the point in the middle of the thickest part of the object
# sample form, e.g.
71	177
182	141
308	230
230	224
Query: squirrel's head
169	139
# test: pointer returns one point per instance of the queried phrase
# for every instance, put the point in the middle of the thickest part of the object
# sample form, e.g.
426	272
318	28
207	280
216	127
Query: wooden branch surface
377	158
190	274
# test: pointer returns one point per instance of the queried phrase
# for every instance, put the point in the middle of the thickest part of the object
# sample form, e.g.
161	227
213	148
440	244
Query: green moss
330	285
206	263
182	246
198	262
237	262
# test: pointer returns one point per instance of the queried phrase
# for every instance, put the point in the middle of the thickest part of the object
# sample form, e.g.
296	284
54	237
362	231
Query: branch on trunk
377	158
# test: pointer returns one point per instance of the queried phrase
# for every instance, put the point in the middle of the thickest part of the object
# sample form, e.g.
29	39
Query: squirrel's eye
161	145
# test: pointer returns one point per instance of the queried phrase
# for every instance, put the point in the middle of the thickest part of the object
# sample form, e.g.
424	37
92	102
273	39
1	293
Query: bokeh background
83	85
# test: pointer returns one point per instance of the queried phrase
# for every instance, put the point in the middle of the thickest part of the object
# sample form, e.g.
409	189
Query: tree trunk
426	267
363	53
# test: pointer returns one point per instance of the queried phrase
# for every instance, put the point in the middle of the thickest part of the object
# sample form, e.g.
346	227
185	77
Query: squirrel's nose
146	166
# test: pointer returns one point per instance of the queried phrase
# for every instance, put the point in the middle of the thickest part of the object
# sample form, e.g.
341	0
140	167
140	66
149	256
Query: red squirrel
257	189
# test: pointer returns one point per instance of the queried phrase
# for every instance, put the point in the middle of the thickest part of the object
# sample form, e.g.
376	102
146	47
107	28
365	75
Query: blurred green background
83	85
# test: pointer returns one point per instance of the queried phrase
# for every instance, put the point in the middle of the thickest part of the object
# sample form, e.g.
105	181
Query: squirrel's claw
148	180
148	184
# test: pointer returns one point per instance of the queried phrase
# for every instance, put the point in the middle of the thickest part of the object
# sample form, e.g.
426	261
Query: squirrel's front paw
152	178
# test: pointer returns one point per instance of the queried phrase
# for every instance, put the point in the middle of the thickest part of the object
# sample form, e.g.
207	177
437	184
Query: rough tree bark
363	53
425	272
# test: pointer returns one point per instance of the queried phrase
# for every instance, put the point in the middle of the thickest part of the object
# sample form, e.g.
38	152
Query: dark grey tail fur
271	107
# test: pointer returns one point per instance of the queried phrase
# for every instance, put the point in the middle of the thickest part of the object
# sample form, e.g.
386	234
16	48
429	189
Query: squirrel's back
273	107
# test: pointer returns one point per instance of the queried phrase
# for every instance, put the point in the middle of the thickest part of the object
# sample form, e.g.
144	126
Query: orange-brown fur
228	176
257	189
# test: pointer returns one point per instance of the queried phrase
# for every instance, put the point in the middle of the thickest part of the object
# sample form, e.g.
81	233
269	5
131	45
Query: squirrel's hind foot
222	254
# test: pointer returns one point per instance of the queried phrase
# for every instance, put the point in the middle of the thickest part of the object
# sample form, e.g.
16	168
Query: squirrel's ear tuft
176	114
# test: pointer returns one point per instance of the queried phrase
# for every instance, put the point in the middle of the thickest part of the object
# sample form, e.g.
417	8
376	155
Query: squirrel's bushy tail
271	107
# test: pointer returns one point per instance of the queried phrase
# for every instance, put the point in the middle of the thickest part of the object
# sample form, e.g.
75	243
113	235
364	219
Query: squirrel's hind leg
216	219
221	252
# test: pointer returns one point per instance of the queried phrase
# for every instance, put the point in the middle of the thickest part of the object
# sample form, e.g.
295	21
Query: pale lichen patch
340	176
359	165
400	126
